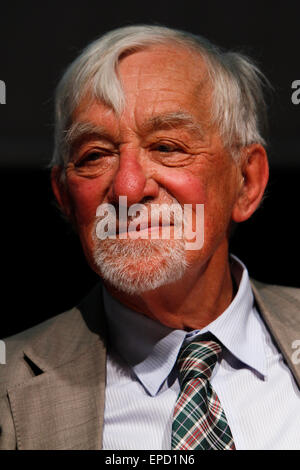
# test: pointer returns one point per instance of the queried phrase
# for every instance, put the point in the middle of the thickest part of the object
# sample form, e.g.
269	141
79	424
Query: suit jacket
52	388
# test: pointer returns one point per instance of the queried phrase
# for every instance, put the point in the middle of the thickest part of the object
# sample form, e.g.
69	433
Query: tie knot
197	360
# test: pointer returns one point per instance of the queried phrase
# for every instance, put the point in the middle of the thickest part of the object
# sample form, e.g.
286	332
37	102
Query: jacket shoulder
54	341
59	343
293	291
17	370
279	307
277	295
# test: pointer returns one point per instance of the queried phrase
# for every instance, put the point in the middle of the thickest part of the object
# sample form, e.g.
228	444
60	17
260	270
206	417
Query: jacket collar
62	406
280	311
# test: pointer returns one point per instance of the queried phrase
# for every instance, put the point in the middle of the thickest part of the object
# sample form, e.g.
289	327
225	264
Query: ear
254	171
60	190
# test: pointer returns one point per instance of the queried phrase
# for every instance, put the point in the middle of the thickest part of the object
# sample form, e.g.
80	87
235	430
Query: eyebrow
173	120
79	130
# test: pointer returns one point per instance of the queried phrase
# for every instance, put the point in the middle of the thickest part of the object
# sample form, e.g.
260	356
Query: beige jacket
52	387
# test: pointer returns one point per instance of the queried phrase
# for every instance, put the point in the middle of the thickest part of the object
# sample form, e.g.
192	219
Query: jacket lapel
61	405
281	313
62	408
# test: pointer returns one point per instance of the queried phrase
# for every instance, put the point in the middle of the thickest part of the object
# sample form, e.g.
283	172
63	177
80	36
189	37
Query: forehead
158	80
162	63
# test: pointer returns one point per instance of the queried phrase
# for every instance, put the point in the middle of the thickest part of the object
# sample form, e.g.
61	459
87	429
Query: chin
137	266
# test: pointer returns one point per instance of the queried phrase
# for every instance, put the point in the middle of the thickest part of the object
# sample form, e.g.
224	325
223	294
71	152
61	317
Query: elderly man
176	348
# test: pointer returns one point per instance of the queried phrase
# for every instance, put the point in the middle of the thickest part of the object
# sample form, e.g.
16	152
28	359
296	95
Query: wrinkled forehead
165	62
157	80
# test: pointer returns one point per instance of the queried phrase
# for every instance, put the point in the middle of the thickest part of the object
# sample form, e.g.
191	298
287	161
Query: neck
192	302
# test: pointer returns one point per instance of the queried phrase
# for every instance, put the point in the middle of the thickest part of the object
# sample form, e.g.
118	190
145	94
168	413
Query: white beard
136	266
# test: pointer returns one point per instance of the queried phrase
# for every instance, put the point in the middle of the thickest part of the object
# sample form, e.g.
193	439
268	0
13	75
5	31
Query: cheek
203	187
185	187
86	195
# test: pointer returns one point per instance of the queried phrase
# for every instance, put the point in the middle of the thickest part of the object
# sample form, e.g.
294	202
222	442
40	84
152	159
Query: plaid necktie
199	422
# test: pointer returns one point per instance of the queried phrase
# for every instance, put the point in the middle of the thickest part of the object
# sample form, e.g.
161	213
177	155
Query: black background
43	271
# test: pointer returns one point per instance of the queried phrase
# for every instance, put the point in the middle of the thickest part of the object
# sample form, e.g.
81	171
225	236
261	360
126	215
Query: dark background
43	270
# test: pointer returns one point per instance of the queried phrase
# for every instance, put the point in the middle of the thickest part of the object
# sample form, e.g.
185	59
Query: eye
93	156
90	157
166	148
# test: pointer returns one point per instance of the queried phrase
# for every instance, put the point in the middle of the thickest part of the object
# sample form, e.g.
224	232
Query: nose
131	179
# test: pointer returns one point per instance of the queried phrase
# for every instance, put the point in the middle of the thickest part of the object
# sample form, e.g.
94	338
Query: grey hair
238	105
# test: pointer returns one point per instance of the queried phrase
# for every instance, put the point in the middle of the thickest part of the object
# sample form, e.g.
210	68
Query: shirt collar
152	354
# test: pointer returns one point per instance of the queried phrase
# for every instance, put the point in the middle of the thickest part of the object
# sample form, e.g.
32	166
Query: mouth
144	226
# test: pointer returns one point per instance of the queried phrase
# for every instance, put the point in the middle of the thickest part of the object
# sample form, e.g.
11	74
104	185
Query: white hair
238	105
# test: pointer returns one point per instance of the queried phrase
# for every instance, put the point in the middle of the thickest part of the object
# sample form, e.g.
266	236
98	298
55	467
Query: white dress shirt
255	387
